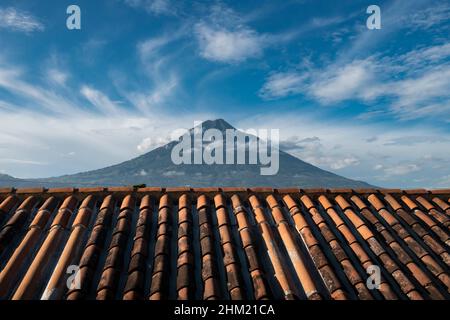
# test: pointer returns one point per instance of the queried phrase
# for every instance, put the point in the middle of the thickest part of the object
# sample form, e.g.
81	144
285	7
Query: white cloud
333	84
21	161
412	140
342	83
6	106
55	70
146	144
430	17
282	84
159	93
57	76
162	78
99	100
150	143
224	37
416	83
338	164
90	51
173	173
399	169
143	173
13	19
156	7
424	56
30	95
149	48
417	93
444	181
298	143
68	154
399	18
313	151
326	21
222	45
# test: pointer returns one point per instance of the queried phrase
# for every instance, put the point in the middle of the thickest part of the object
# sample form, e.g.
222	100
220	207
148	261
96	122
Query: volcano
156	168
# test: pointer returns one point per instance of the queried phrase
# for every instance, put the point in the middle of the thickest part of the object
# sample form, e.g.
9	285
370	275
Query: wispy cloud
166	7
333	84
415	140
21	161
398	169
16	20
57	76
149	48
429	17
150	143
218	44
146	102
342	83
173	173
157	63
283	84
223	36
313	151
90	51
32	95
398	17
444	181
99	100
417	82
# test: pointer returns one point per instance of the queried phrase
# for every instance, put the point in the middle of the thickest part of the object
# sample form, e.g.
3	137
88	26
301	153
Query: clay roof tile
441	203
376	202
410	203
393	202
425	203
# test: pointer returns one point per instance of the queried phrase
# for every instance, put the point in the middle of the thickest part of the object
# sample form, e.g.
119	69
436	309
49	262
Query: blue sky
372	105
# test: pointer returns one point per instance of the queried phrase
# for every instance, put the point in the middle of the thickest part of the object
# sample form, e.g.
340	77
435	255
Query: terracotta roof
223	243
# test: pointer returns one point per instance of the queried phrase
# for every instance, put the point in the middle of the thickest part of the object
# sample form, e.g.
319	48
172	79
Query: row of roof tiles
223	243
141	188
